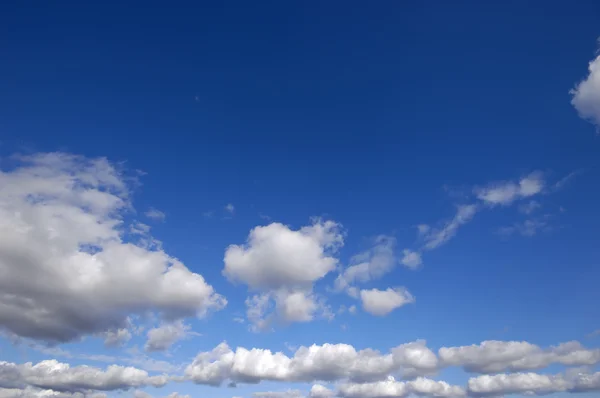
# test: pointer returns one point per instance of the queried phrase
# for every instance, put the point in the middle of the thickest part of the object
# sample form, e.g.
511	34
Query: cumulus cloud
586	94
319	391
155	214
32	392
116	338
497	356
369	265
67	266
164	336
143	394
531	384
327	362
282	264
506	192
382	302
57	376
279	394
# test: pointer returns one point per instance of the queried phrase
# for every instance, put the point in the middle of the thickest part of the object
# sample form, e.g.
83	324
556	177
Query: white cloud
319	391
155	214
506	192
164	336
586	95
382	302
282	264
437	237
369	265
143	394
54	375
391	388
411	259
67	267
276	256
32	392
229	208
526	228
497	356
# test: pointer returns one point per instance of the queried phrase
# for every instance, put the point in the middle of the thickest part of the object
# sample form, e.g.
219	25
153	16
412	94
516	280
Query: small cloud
595	333
586	95
238	319
208	214
352	309
229	208
155	214
560	184
526	228
264	217
422	229
411	259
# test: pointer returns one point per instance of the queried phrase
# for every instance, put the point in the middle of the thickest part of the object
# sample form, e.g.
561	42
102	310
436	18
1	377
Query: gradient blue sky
379	115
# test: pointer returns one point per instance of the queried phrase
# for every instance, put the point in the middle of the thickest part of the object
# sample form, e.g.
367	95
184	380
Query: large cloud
66	266
282	264
57	376
586	95
496	356
391	388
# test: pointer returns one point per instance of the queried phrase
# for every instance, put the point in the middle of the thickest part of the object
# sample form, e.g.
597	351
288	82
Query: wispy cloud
155	214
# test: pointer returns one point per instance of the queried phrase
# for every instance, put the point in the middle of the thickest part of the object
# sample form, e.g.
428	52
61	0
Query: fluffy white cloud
496	356
319	391
57	376
391	388
31	392
506	192
67	266
327	362
276	256
369	265
282	264
586	95
164	336
437	237
382	302
531	384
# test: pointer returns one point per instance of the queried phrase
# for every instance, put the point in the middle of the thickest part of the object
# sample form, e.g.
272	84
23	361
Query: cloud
526	228
529	207
57	376
282	264
276	256
143	394
327	362
497	356
117	337
506	192
369	265
155	214
392	388
279	394
437	237
229	208
163	337
586	94
531	384
319	391
68	267
411	259
32	392
382	302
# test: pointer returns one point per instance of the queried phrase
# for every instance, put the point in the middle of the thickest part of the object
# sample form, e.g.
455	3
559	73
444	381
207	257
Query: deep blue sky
370	113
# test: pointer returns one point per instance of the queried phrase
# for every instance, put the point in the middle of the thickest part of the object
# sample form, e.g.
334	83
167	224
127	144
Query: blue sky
282	174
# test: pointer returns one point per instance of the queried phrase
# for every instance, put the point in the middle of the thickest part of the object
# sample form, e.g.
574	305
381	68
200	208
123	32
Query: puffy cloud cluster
282	265
327	362
164	336
31	392
586	95
397	389
497	356
69	267
531	384
60	377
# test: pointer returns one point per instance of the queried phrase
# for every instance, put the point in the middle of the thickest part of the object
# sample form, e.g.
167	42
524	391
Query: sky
299	199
